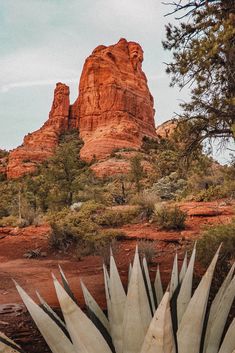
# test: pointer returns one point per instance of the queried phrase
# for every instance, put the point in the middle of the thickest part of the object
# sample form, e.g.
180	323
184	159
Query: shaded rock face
114	110
40	144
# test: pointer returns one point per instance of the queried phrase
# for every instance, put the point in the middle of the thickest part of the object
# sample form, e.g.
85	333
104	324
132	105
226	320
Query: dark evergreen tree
203	45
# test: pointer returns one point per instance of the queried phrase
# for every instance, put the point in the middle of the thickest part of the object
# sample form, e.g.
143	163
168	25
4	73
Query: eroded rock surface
166	129
114	110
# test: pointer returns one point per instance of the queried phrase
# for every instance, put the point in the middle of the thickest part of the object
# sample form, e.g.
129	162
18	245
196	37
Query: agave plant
145	320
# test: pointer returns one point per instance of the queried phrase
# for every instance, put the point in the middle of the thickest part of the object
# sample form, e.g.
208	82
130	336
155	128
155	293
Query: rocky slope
114	110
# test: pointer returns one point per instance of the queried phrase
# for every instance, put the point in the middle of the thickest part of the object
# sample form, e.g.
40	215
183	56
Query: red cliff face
40	144
114	110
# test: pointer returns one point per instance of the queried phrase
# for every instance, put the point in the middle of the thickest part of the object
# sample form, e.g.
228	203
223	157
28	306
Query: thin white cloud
24	84
34	67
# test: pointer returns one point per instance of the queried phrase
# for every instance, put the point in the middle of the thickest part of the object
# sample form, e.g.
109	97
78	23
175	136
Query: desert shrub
117	218
213	192
136	173
71	229
80	228
3	211
9	221
169	217
2	177
210	182
146	202
210	241
30	216
147	249
90	209
170	187
92	245
98	245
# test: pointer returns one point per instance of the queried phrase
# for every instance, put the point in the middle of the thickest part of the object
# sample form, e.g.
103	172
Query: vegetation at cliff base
64	180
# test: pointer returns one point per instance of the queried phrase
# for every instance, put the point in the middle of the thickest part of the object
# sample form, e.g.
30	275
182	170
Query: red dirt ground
35	274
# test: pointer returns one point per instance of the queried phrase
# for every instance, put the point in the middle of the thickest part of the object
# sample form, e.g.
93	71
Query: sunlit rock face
114	108
166	129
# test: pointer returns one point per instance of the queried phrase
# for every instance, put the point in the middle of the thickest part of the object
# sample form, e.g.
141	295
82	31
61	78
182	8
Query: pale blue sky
46	41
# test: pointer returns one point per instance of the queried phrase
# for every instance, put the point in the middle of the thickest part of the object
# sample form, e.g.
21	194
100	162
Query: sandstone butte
114	110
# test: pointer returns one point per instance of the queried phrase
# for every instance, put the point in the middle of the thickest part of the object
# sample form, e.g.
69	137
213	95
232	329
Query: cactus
145	320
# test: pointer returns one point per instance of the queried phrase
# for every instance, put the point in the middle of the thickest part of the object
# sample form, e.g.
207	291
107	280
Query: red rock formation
113	166
114	108
40	144
166	129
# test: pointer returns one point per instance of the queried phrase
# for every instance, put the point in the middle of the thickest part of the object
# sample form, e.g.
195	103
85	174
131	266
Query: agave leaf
54	336
66	285
185	292
174	282
183	268
191	325
107	293
217	326
117	300
228	345
97	316
8	346
94	307
158	286
129	273
216	302
50	311
148	285
85	336
137	314
159	337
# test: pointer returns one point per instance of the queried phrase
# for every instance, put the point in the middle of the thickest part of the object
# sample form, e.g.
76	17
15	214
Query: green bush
169	217
97	244
170	187
30	216
146	202
80	228
9	221
215	192
210	241
117	218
